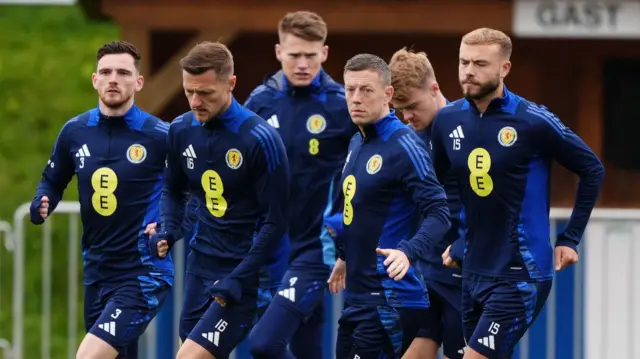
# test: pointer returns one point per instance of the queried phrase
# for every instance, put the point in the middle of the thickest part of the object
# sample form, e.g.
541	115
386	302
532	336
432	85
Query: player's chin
360	118
302	81
202	116
417	126
113	100
470	89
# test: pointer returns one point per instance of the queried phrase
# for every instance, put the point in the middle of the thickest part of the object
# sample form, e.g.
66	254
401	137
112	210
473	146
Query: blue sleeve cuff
405	247
34	211
564	241
340	252
457	251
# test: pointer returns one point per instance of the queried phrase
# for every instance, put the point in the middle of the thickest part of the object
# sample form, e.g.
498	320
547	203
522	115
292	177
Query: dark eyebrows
306	54
104	69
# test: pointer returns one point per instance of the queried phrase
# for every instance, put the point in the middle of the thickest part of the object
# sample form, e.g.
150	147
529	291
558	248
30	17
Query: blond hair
409	70
486	36
306	25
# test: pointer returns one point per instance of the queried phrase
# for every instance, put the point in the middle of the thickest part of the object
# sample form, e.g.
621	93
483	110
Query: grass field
46	59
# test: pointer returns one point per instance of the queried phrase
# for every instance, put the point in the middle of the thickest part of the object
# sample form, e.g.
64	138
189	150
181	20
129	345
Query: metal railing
7	235
572	325
73	210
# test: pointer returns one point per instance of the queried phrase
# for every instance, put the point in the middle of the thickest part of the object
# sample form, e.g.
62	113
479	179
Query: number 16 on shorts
214	337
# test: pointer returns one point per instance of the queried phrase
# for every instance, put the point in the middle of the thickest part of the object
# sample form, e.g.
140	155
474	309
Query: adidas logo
213	337
457	133
273	121
189	152
109	328
289	294
488	342
83	151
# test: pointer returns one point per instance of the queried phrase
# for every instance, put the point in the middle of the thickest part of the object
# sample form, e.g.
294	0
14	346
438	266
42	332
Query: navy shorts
302	291
298	302
381	332
444	322
496	313
217	329
119	312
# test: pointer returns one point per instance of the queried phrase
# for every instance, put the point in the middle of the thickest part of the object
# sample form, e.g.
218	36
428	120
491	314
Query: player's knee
183	354
91	353
422	348
192	350
469	353
93	347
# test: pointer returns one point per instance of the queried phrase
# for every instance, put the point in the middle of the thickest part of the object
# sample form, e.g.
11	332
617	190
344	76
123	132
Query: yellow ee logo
104	182
349	190
479	163
213	190
314	146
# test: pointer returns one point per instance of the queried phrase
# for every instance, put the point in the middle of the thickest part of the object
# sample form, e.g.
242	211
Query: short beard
484	91
115	105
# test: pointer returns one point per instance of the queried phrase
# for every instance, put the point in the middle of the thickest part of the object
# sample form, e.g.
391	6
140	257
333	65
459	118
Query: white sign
577	19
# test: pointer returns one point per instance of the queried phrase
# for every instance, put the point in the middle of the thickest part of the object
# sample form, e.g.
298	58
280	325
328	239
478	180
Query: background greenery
47	55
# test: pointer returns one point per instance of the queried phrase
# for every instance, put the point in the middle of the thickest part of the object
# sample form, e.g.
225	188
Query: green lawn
47	55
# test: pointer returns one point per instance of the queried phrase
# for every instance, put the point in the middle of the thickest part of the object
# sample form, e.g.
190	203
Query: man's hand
151	229
447	260
338	275
220	300
44	207
564	257
160	244
226	290
397	262
39	210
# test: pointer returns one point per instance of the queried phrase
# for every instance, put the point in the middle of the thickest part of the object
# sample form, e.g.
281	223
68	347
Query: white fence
591	312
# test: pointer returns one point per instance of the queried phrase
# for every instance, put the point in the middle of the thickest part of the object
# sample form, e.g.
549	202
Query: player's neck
483	104
227	105
385	112
223	109
115	112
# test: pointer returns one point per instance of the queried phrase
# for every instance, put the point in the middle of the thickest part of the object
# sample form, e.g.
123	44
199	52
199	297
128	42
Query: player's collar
507	103
130	117
380	126
426	132
231	113
315	86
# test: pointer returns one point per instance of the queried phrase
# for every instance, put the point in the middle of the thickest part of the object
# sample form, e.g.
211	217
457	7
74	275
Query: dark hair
120	47
363	62
207	56
306	25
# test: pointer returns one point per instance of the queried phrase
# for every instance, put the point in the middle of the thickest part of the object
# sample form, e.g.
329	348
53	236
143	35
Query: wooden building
564	75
